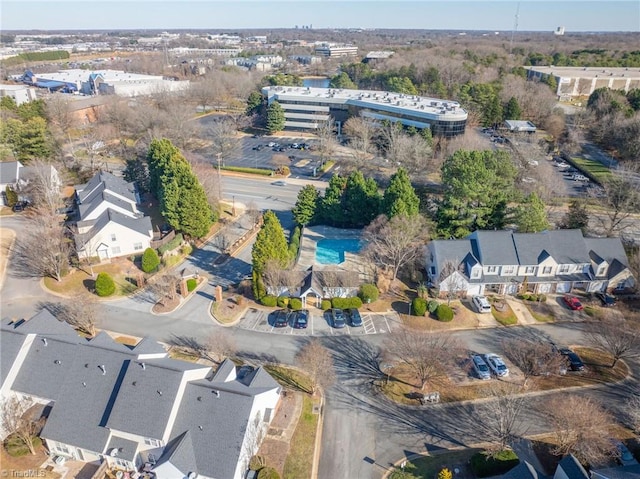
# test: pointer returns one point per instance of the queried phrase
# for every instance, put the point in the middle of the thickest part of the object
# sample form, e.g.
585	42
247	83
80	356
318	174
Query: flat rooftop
589	72
78	75
368	98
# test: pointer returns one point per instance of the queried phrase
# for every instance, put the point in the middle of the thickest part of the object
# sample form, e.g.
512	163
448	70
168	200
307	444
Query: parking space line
387	323
257	323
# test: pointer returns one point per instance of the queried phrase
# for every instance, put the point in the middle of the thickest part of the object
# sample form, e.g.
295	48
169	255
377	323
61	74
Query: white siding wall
125	240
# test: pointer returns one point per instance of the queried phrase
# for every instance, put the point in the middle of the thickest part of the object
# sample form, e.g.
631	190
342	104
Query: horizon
576	16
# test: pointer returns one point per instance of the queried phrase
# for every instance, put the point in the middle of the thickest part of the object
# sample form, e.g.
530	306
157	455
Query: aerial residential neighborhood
384	241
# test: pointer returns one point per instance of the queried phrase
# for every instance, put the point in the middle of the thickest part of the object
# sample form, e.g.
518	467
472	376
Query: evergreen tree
360	200
11	196
254	103
477	188
492	113
552	82
531	216
306	205
427	134
400	198
512	109
576	217
331	211
275	117
270	244
342	81
105	286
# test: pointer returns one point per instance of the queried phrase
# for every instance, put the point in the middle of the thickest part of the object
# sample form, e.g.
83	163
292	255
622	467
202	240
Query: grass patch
299	462
177	353
506	317
251	171
327	166
5	211
126	340
463	319
290	378
429	466
592	168
485	466
540	311
79	279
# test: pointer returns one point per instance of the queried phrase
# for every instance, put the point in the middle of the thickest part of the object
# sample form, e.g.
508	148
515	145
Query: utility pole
515	28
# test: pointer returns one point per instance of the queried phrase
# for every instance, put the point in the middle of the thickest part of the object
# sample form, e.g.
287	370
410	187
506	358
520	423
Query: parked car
20	206
624	456
279	183
281	319
572	302
607	300
577	177
496	364
354	317
481	303
480	367
271	144
301	319
573	360
562	165
337	318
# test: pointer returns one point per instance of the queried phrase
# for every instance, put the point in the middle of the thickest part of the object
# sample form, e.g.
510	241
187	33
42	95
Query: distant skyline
212	15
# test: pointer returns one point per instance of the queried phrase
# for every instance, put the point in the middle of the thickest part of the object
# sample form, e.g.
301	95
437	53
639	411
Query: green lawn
594	168
299	462
506	317
426	467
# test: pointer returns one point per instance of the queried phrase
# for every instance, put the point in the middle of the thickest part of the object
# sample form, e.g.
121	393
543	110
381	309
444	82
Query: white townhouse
134	407
556	261
17	176
109	222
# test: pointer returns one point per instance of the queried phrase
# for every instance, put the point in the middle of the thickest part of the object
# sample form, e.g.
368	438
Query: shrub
268	473
485	466
191	284
150	260
186	249
326	304
253	171
105	285
445	474
282	301
16	448
346	303
542	298
444	313
432	306
258	286
11	195
173	244
295	304
368	293
269	300
419	306
533	297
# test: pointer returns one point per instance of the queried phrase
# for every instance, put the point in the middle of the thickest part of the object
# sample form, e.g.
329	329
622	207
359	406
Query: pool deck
308	245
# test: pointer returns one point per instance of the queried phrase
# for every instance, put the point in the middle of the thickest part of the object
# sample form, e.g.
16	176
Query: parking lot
320	324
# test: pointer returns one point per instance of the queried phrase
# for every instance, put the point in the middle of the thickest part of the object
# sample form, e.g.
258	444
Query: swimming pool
331	251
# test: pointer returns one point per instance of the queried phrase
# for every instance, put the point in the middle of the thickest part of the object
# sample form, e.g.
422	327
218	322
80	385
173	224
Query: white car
480	367
481	303
496	364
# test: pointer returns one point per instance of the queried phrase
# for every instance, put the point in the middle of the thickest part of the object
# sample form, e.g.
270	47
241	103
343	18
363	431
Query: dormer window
492	269
602	269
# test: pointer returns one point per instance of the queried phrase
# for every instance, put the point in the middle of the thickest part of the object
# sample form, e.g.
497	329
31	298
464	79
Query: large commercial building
306	108
335	50
582	81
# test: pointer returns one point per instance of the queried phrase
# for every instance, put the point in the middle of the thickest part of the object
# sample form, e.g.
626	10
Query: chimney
103	369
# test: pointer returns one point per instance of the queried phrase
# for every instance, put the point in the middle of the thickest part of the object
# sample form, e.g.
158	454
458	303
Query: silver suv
480	367
481	303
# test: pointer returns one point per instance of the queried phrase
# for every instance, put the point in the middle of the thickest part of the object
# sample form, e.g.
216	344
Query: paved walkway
521	311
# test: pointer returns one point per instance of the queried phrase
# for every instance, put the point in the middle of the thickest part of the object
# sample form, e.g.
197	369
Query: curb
183	301
318	440
9	248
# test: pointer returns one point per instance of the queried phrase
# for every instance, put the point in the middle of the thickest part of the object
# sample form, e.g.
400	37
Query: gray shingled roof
153	386
259	378
10	344
126	449
88	389
217	427
86	208
621	472
572	468
531	247
149	346
106	181
46	324
494	248
9	172
451	249
524	470
609	249
568	246
103	340
180	453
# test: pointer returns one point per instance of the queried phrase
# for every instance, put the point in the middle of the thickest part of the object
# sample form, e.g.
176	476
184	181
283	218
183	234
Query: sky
499	15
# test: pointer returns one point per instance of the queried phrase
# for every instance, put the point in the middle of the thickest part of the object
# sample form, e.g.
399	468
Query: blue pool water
331	251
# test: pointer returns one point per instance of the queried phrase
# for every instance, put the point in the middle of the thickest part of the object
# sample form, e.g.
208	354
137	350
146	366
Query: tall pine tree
270	244
304	211
400	198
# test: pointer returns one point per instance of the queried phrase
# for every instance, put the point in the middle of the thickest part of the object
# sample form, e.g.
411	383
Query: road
363	432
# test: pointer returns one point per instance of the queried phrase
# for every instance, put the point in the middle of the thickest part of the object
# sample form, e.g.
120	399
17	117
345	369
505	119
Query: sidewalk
521	311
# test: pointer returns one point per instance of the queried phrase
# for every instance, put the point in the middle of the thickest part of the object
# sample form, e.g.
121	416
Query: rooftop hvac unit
398	103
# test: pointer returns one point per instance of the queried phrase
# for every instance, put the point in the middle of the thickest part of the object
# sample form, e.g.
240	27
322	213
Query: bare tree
580	427
632	412
216	347
224	138
452	281
502	422
17	419
428	356
44	247
80	311
275	277
208	178
395	243
327	143
253	213
279	161
43	185
532	358
164	287
317	361
360	131
620	201
616	336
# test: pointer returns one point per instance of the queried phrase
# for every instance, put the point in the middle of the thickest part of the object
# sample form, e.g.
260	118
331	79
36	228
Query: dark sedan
607	300
573	360
354	317
301	319
337	318
281	319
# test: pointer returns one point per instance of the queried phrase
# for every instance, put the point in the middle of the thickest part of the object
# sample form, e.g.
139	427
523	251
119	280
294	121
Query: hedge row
346	303
253	171
486	466
533	297
294	242
173	244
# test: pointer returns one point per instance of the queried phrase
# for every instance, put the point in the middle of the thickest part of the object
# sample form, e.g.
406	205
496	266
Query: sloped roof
10	344
572	468
455	250
149	346
105	181
179	452
100	197
524	470
620	472
103	340
9	172
127	449
46	324
609	249
140	225
494	247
